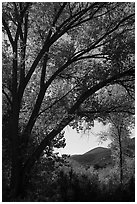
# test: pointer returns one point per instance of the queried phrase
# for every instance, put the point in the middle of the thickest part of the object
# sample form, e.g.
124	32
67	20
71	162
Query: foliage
64	183
57	59
121	125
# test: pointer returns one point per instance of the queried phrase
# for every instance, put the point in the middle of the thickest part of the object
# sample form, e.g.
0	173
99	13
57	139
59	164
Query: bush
61	182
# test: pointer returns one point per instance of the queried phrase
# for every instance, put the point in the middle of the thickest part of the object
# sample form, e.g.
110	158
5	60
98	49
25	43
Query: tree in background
120	130
56	59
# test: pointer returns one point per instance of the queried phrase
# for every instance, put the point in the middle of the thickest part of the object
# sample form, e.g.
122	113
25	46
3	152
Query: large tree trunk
16	182
15	161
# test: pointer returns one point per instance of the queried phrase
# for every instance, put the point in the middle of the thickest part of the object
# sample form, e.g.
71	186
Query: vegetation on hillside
61	181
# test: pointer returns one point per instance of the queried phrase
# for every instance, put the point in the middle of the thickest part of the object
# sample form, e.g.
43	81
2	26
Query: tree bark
16	168
18	181
16	158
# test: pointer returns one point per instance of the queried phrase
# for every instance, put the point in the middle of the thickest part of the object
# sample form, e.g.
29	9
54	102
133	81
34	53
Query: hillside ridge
100	156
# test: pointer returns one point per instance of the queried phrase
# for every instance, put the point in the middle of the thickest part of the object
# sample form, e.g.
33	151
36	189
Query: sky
78	143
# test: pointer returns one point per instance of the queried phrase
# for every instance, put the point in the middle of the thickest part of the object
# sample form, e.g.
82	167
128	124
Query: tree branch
57	36
95	88
68	118
89	112
43	72
56	101
20	21
126	88
88	18
98	56
59	13
8	32
76	16
8	98
40	98
45	142
80	53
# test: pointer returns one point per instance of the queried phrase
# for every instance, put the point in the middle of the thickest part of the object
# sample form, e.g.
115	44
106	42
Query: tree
121	125
57	57
120	132
121	122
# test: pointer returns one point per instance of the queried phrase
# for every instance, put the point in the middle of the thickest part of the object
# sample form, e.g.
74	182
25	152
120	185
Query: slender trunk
120	158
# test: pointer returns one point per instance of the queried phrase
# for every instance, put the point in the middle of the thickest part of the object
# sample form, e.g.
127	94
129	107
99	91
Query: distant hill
96	150
100	157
